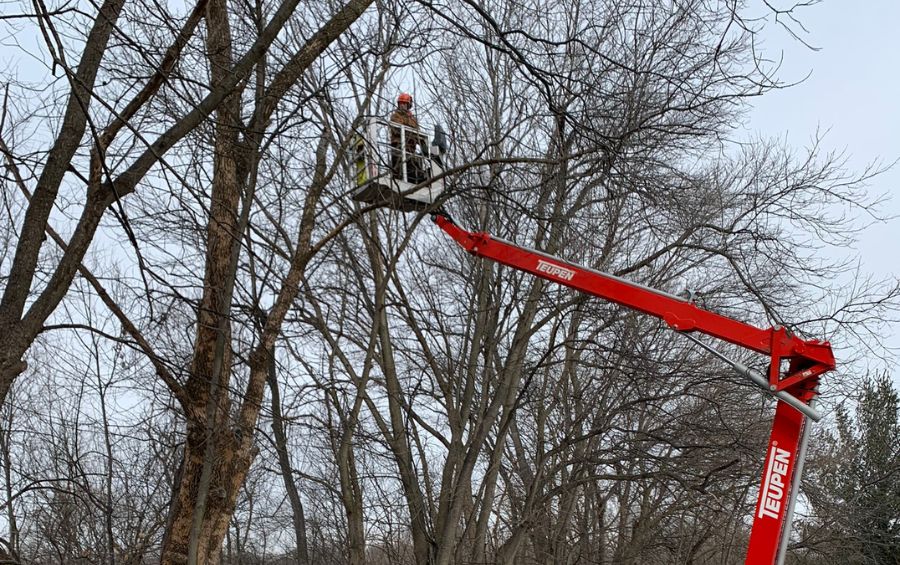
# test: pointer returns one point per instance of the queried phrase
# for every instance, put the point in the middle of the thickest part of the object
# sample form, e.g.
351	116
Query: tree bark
287	471
31	237
219	450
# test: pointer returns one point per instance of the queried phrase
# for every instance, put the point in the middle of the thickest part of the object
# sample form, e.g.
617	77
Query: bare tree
199	521
423	406
504	404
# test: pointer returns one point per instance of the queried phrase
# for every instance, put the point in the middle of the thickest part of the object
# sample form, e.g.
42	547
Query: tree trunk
218	450
11	364
230	468
284	462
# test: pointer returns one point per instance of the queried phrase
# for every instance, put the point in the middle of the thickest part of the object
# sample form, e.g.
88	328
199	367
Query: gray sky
854	92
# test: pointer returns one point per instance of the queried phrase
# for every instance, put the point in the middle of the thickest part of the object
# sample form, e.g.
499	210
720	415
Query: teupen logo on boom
555	270
775	484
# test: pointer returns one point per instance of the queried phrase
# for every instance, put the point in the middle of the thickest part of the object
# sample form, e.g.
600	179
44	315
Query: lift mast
795	387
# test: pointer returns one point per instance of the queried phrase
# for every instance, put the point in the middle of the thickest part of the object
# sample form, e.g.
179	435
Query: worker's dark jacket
406	118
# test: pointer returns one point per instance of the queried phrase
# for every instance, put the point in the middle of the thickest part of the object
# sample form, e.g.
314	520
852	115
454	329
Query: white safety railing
395	162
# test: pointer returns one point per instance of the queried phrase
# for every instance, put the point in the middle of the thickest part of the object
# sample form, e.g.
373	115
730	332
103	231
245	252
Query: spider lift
796	387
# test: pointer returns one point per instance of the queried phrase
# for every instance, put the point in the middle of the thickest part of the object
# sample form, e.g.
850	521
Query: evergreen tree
854	488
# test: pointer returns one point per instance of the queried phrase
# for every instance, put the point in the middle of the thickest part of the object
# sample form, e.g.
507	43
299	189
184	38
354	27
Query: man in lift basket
406	136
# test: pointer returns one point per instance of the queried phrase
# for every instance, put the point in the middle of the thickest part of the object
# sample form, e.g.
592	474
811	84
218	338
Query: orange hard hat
404	98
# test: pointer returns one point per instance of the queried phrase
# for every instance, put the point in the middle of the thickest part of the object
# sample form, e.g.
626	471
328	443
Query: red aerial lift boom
795	387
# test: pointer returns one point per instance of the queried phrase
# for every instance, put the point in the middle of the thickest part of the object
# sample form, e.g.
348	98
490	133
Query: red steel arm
808	360
679	313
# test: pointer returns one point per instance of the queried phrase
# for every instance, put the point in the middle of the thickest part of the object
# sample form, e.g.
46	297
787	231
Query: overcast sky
854	92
